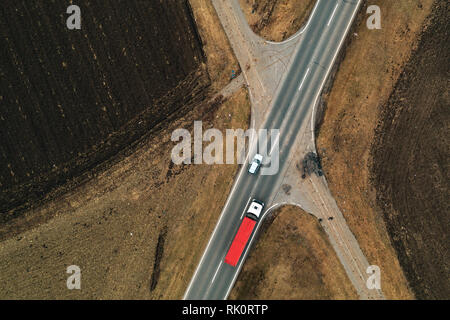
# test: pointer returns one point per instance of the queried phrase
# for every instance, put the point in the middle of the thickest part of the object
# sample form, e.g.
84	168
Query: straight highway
290	111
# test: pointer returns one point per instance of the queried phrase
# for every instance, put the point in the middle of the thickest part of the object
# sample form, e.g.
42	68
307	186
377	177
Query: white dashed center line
332	15
304	78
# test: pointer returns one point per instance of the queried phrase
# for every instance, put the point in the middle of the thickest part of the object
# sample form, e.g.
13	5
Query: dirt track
410	162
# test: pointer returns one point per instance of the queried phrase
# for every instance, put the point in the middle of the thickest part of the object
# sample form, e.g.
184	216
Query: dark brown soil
411	153
71	99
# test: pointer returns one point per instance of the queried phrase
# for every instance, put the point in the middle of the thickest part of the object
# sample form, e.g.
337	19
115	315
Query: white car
255	208
255	164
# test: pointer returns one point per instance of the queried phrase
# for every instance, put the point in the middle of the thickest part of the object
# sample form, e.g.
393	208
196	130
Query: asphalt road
290	110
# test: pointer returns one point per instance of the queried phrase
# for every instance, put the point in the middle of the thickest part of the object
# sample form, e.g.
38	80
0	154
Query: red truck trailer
244	232
240	241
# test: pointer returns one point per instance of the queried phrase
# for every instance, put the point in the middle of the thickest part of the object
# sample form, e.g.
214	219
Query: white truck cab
255	164
255	209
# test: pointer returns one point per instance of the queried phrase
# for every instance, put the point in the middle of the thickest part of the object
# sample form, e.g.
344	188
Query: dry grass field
276	20
72	100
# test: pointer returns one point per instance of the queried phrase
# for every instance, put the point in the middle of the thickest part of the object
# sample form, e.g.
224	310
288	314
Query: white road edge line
303	81
310	17
332	15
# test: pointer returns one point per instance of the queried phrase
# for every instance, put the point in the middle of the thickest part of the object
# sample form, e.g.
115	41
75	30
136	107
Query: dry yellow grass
293	259
220	56
276	20
364	82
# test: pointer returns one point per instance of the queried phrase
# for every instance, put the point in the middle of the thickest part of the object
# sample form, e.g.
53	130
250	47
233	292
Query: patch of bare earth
276	20
293	259
138	228
373	62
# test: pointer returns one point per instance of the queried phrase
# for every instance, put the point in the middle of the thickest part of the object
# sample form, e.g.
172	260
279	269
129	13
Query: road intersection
285	81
